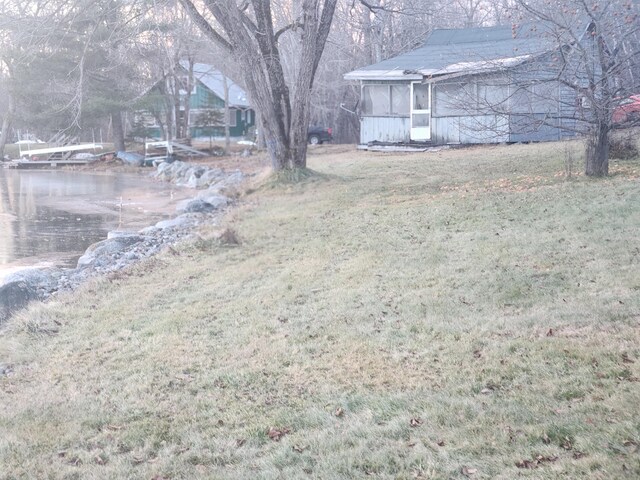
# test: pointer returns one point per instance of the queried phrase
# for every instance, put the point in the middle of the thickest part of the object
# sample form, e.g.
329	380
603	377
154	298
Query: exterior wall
384	129
470	129
542	108
523	105
239	130
470	110
394	124
201	99
204	98
242	124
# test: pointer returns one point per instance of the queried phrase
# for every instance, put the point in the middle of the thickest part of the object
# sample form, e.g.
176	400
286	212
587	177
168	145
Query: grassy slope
413	316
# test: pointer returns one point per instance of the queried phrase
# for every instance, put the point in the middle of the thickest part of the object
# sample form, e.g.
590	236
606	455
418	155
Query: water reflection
52	216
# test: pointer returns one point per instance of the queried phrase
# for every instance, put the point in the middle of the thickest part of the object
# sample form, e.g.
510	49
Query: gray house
473	85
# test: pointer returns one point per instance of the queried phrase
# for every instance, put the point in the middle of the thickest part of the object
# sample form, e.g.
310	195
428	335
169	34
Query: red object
627	110
330	130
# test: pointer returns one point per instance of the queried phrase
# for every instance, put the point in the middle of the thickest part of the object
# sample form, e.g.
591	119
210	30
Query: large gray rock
197	205
14	296
163	169
194	175
178	222
44	280
226	182
171	171
105	252
212	175
218	201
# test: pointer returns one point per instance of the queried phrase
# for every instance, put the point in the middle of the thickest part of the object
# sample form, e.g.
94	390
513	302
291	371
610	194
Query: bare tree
598	54
248	32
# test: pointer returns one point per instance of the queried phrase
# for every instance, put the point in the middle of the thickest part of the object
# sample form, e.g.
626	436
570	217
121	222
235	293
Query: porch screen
376	100
400	100
385	100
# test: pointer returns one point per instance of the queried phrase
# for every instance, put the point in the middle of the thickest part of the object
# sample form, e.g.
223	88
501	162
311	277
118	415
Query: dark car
318	135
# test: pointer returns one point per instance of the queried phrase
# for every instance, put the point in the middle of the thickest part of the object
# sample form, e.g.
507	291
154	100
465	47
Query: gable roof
461	50
214	80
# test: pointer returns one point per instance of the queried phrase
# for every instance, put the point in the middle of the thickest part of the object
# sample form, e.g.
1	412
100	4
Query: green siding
205	98
238	131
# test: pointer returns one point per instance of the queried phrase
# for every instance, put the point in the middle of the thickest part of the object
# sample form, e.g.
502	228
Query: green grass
394	317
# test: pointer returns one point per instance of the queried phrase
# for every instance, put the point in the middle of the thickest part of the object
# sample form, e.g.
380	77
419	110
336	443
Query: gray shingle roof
213	80
451	50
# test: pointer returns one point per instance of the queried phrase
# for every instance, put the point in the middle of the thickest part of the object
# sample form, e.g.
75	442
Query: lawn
469	313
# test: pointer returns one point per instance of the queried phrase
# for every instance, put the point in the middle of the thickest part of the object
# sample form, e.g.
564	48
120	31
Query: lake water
49	218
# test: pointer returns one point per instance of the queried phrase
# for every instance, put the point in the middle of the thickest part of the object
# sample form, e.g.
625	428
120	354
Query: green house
158	114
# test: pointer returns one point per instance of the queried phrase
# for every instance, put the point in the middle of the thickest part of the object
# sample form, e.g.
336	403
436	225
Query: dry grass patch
463	314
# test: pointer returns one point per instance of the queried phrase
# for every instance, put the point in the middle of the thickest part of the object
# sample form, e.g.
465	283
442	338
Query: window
385	100
376	100
454	98
421	97
232	117
481	97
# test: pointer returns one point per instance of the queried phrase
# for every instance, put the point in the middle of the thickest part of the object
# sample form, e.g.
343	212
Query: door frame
420	133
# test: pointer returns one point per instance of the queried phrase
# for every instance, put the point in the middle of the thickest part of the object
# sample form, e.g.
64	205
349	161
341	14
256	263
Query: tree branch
286	28
205	26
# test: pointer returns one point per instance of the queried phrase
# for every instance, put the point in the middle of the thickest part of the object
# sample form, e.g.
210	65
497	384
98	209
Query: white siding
384	129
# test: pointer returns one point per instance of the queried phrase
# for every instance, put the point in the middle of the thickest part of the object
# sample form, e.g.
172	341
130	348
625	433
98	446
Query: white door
420	111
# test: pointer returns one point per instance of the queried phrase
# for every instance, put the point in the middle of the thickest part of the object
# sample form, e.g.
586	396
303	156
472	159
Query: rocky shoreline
121	249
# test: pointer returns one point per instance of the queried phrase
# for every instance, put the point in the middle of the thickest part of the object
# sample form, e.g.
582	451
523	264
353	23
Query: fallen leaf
527	464
240	442
276	434
626	358
550	332
531	464
466	471
339	412
440	443
486	391
114	427
415	422
300	449
411	444
578	455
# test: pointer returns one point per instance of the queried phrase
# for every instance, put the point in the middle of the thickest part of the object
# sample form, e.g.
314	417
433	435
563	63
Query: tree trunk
118	131
597	161
6	125
186	127
227	118
253	41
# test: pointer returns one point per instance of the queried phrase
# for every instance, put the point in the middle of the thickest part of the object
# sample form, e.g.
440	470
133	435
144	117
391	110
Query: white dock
28	164
63	149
